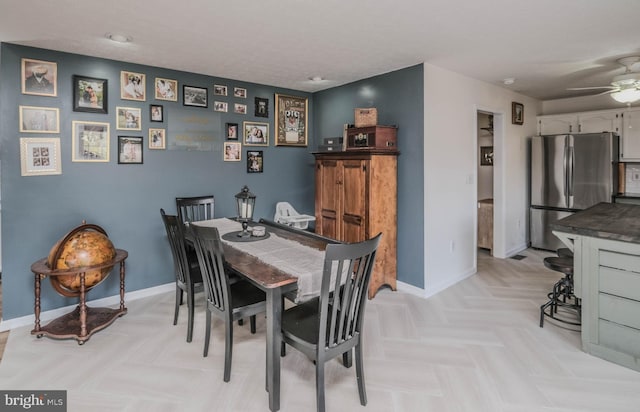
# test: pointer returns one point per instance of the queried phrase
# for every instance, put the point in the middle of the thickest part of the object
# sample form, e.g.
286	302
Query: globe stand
83	321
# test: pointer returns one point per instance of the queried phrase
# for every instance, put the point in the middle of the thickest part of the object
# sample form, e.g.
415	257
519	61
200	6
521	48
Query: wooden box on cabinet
356	198
373	137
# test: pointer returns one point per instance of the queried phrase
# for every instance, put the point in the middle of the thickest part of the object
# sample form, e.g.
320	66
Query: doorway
485	173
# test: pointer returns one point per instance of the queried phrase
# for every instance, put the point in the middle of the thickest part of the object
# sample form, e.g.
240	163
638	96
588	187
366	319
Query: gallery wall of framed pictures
135	110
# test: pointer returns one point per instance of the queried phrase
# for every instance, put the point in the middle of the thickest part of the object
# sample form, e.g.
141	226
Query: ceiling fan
625	88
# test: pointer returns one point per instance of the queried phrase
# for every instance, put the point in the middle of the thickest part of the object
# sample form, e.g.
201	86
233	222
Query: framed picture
39	119
156	113
130	150
132	86
39	77
517	113
486	155
157	139
240	92
291	120
232	131
220	106
254	161
128	118
194	96
219	90
166	89
240	108
262	107
256	134
40	156
90	141
232	152
90	94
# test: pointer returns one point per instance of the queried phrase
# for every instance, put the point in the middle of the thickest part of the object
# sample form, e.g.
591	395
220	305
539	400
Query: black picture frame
195	96
261	107
156	113
130	150
517	113
255	161
486	155
90	94
231	131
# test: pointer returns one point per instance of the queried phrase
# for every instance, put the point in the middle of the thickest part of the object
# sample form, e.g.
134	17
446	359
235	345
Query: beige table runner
291	257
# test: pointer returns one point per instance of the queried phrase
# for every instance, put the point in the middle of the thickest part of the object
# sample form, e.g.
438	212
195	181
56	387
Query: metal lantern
246	202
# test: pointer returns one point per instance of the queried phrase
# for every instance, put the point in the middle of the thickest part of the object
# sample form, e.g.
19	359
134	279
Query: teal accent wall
399	98
125	199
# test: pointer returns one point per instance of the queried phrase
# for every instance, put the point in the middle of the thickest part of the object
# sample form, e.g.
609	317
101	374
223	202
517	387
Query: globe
84	246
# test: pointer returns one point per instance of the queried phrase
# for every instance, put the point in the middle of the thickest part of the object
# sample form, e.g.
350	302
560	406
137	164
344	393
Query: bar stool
562	295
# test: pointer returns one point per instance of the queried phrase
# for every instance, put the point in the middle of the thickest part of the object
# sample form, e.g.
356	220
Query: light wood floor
474	347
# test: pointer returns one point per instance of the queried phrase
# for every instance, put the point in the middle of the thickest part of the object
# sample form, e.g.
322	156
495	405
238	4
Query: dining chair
193	209
229	301
331	324
186	270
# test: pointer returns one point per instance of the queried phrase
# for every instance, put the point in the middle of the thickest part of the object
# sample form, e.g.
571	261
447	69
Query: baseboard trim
108	301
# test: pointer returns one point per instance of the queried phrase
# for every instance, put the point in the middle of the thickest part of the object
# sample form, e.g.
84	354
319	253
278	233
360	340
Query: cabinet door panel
354	195
599	122
630	133
328	179
558	125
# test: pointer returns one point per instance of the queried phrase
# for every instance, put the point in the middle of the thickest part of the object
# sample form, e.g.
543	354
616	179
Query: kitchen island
605	240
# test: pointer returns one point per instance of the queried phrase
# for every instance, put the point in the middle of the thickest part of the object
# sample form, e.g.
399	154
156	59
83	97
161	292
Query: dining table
283	262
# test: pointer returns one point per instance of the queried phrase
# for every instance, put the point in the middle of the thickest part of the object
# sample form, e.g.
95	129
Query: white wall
451	104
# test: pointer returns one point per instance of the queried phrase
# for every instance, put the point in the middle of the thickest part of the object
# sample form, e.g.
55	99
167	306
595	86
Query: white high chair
287	215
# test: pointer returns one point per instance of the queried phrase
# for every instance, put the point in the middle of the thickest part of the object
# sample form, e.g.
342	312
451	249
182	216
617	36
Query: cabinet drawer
620	283
620	338
619	310
620	260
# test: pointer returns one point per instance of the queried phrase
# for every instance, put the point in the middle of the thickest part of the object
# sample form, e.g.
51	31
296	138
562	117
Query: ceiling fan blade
594	87
607	92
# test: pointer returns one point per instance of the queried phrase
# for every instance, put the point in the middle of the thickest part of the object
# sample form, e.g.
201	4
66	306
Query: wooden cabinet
485	224
356	198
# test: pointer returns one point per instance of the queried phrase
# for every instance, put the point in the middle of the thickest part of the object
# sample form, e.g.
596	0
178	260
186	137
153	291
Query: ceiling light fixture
316	79
509	80
627	95
119	38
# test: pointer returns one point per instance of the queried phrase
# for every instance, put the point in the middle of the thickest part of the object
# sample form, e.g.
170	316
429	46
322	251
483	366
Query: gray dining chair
331	324
226	300
186	270
193	209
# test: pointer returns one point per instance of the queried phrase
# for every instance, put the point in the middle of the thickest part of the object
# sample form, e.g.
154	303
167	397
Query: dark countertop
614	221
628	195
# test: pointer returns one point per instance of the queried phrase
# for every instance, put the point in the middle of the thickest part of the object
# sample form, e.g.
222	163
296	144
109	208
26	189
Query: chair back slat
210	254
175	235
193	209
343	294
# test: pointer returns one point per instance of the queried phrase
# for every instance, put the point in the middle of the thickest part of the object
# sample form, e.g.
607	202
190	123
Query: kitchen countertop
614	221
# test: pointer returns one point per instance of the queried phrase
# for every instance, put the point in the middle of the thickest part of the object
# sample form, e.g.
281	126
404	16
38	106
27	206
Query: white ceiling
546	45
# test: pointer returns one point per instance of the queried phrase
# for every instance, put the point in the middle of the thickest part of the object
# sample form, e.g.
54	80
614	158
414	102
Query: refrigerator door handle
565	161
570	175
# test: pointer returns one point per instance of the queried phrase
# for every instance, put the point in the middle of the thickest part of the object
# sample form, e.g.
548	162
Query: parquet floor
473	347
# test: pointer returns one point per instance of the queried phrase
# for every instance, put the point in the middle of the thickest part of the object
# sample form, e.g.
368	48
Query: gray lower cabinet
609	282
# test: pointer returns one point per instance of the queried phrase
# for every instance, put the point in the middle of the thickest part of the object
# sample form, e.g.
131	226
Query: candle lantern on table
246	202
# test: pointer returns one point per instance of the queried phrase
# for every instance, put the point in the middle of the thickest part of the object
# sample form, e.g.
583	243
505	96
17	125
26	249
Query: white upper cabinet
630	136
601	121
558	124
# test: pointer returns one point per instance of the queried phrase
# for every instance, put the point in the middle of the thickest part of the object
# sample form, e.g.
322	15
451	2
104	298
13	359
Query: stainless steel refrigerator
569	173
